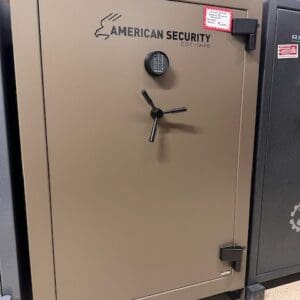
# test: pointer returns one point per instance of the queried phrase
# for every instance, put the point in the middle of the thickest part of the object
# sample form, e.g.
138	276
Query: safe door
134	217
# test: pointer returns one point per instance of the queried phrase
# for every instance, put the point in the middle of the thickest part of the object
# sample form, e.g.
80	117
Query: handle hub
156	113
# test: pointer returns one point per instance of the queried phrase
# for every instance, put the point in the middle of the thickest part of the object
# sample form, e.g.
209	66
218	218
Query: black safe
275	227
14	258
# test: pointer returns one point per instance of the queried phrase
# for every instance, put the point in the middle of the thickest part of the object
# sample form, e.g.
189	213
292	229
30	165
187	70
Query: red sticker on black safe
216	18
288	51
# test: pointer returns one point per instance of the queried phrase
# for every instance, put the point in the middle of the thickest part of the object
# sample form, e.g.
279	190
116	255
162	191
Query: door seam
47	149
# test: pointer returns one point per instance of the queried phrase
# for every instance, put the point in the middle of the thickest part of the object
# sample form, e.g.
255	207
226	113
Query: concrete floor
285	292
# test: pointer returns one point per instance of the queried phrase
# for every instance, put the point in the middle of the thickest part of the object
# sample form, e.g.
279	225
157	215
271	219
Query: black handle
156	114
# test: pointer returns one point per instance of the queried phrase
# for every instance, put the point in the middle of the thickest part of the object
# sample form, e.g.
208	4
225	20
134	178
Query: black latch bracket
233	255
247	28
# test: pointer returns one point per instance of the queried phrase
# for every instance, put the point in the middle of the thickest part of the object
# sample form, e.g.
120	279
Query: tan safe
112	216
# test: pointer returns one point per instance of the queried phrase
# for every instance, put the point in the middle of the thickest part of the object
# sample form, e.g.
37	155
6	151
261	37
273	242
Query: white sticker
219	19
288	51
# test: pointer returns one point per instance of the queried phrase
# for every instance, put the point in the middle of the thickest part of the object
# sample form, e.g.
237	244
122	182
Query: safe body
110	215
274	247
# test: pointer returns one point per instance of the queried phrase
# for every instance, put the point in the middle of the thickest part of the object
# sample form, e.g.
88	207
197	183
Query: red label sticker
219	19
288	51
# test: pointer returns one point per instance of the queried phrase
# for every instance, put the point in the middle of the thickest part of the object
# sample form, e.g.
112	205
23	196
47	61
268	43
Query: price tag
288	51
219	19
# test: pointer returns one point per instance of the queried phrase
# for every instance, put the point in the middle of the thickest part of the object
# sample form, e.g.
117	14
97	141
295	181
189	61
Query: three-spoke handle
157	113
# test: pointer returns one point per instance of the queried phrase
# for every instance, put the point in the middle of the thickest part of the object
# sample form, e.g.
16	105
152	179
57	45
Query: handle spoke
153	131
176	110
148	99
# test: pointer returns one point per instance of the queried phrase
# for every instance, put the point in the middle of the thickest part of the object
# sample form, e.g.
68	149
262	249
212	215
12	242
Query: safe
274	247
137	123
14	267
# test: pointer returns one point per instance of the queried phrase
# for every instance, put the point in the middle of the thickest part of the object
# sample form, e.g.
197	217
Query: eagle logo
106	22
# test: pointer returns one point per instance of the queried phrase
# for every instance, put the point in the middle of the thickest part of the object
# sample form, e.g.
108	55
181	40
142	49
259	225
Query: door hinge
248	29
233	255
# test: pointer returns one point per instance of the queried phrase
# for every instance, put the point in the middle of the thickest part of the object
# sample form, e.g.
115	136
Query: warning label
288	51
219	19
